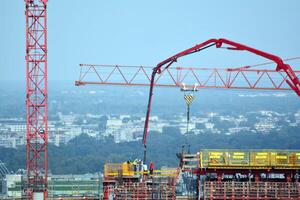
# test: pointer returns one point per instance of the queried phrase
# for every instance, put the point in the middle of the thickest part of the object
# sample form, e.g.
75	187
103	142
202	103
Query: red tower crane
36	99
281	78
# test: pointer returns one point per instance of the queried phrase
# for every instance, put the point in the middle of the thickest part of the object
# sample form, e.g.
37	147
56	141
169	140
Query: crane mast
36	99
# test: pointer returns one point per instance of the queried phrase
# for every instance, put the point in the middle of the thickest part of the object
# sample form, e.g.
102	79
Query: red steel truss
204	78
36	97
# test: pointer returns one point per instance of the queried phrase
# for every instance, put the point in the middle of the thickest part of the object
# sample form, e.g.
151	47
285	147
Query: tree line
84	154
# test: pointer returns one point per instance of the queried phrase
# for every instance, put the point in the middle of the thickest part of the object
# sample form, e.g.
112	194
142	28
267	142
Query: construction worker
139	165
135	165
145	170
151	168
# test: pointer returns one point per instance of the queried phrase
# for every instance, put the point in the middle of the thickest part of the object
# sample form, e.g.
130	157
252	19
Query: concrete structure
58	186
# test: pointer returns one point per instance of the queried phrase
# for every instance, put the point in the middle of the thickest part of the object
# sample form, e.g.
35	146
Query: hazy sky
136	32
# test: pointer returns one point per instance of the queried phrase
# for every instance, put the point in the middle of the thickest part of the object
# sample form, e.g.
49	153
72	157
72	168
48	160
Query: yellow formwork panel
238	158
118	169
170	172
297	158
260	158
127	169
216	158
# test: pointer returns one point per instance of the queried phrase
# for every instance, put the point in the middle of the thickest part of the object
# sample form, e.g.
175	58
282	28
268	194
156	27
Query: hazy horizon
144	33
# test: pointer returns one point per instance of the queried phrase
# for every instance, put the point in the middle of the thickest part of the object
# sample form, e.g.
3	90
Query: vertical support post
198	186
36	99
256	176
219	176
288	177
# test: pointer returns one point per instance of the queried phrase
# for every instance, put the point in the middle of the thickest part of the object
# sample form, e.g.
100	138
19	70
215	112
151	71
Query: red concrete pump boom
293	80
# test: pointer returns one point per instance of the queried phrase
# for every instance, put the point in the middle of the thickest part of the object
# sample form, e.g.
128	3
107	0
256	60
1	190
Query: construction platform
240	159
210	174
240	174
133	181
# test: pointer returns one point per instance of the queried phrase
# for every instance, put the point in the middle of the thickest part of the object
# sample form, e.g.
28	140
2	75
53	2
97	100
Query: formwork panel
118	169
214	158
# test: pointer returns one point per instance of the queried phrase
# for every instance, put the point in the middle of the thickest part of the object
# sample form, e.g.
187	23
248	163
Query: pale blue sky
136	32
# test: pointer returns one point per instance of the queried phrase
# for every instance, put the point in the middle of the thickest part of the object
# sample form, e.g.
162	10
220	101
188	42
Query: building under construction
207	174
133	181
210	174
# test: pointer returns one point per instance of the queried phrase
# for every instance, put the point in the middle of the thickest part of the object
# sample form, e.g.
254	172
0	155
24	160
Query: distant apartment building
238	130
13	185
297	117
264	127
